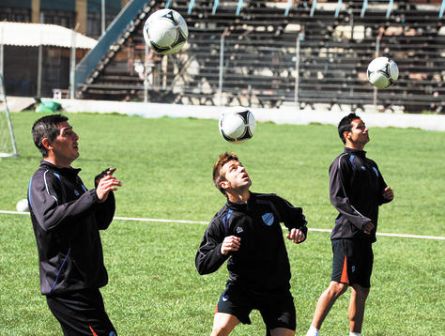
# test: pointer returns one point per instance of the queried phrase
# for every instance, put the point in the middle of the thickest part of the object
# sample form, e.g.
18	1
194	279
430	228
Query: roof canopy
36	34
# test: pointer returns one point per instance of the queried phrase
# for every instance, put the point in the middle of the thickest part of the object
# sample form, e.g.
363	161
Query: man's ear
224	184
46	143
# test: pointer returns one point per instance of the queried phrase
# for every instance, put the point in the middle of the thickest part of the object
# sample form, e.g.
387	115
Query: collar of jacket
63	171
243	206
357	152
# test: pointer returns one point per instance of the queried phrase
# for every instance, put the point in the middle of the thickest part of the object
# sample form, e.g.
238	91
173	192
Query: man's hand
388	194
368	228
296	235
106	183
230	244
108	171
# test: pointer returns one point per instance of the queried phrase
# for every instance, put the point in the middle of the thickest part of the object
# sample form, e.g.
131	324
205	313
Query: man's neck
354	146
238	197
57	163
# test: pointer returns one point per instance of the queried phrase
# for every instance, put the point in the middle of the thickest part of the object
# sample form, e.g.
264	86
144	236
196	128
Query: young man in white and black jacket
66	218
247	233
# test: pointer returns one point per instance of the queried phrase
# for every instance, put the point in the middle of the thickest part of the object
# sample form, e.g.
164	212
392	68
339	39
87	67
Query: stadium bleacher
261	63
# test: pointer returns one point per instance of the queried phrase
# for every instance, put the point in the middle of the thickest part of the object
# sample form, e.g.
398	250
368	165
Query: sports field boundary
285	115
186	221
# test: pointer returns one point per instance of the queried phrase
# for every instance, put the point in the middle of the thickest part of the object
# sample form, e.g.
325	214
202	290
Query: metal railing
119	26
274	67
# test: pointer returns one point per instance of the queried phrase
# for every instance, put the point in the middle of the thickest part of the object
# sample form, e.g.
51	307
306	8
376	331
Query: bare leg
326	301
223	324
356	310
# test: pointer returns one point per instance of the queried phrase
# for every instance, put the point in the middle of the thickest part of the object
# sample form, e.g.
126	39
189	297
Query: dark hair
46	127
346	124
222	160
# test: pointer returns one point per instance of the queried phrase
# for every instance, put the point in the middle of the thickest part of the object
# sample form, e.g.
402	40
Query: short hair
345	124
46	127
222	160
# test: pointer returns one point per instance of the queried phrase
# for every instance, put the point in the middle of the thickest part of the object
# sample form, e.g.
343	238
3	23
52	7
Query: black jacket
356	191
262	261
66	219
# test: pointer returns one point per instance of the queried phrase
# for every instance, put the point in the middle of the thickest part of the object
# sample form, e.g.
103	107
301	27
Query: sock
351	333
312	331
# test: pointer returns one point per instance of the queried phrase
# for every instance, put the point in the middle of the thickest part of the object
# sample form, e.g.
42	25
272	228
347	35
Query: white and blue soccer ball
382	72
237	124
165	31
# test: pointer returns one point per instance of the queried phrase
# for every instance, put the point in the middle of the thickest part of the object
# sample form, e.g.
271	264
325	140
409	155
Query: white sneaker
312	331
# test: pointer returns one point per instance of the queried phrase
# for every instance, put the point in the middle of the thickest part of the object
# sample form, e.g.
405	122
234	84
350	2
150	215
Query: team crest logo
268	218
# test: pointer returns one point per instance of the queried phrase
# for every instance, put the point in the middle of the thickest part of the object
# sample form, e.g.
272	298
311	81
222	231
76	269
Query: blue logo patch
268	218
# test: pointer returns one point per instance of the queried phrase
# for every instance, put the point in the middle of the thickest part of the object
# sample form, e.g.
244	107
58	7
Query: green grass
166	168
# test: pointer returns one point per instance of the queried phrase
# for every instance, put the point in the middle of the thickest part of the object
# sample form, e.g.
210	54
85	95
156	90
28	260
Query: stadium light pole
297	68
146	74
40	59
377	52
221	67
103	16
73	62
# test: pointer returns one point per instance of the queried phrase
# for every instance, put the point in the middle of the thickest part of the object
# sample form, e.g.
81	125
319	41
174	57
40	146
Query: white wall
284	115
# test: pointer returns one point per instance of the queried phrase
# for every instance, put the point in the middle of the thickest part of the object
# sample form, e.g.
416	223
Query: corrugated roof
35	34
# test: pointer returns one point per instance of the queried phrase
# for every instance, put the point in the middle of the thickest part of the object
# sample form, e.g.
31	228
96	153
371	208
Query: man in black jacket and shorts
66	218
357	189
247	233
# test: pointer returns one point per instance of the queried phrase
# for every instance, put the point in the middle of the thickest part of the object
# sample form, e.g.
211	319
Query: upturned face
235	176
359	133
65	146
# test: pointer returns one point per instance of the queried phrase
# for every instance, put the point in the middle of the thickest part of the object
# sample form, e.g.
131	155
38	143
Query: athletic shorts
276	308
352	262
81	313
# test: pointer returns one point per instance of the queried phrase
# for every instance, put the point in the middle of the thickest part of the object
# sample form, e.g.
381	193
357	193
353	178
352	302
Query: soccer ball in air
237	125
382	72
165	31
22	205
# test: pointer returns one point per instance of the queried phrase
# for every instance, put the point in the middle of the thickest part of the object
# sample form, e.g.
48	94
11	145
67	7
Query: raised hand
106	183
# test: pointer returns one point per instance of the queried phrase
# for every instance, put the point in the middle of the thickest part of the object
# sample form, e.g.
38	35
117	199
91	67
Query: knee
220	330
337	289
364	292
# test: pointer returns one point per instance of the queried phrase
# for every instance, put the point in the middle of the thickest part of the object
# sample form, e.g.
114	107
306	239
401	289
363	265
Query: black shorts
81	313
352	262
276	307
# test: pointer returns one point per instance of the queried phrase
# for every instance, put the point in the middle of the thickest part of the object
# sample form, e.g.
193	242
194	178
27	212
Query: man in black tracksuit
357	189
247	233
66	218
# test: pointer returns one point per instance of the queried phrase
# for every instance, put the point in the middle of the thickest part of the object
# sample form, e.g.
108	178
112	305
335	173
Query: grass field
165	165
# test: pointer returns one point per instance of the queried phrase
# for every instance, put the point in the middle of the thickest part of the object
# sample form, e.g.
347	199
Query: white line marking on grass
185	221
7	212
159	220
